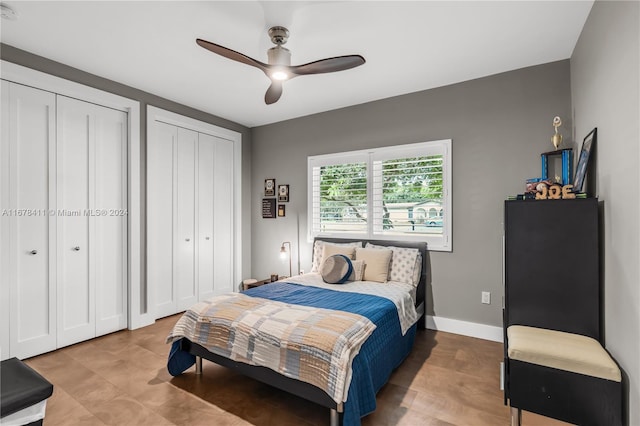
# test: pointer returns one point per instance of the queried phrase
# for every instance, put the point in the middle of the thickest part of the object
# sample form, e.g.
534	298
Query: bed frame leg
516	416
335	417
198	365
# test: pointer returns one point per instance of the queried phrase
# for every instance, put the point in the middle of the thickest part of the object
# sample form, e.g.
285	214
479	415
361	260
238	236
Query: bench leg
516	416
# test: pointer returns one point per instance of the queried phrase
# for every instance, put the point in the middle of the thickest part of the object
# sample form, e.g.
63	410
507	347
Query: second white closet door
91	144
215	216
185	223
76	294
110	219
160	217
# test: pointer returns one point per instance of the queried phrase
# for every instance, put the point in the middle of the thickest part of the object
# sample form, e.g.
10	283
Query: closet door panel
109	217
31	118
76	296
160	217
184	274
223	215
5	290
206	237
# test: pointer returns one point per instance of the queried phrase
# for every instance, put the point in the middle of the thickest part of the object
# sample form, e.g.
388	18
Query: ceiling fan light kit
279	68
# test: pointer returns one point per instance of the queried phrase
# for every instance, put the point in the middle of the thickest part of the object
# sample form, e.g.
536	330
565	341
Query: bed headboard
421	290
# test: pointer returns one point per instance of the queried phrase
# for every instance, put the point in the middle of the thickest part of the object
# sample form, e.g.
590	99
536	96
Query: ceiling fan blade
232	54
273	92
339	63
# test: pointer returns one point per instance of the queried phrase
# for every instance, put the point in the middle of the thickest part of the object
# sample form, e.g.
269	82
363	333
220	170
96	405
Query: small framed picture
283	193
281	210
583	160
268	208
269	187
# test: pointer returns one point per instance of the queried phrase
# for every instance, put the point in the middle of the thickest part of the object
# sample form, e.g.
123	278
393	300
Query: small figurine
556	139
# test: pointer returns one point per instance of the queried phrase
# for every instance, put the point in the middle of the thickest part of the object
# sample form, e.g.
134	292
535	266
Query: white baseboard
471	329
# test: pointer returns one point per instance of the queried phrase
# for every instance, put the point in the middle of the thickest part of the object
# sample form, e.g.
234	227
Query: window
395	193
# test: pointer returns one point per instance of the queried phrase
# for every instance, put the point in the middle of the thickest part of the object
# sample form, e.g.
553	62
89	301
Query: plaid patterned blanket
313	345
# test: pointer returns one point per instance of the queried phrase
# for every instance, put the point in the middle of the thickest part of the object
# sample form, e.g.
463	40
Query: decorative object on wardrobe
284	252
583	160
279	68
556	139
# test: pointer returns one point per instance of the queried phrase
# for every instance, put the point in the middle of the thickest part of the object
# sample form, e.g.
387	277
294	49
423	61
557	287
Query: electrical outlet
486	297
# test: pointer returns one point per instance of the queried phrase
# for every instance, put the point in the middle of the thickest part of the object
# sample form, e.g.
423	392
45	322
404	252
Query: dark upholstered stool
21	387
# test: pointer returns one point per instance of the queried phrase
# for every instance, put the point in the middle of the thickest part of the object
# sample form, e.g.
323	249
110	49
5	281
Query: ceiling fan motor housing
279	56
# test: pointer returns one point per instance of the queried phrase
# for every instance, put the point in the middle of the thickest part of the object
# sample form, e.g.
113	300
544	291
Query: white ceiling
408	46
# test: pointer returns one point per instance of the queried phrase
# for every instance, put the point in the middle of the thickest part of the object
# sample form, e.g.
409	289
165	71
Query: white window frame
435	242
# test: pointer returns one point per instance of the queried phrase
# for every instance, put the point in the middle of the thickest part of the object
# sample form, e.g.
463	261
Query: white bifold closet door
160	190
28	194
190	219
91	220
171	218
63	228
215	218
185	220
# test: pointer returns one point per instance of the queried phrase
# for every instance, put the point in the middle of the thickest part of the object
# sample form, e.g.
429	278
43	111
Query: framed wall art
268	208
269	187
283	193
281	210
583	160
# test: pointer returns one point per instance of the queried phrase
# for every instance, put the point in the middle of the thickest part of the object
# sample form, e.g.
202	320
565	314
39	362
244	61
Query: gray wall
605	90
499	125
21	57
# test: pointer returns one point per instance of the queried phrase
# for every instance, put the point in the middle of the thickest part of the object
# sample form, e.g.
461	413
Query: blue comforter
385	349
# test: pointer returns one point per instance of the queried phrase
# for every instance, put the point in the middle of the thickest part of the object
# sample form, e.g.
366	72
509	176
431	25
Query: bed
388	315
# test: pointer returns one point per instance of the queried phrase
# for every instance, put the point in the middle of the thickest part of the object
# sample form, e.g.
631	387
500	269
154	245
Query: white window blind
395	193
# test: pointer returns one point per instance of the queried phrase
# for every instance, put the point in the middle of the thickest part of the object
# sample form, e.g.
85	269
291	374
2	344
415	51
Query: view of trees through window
343	197
407	196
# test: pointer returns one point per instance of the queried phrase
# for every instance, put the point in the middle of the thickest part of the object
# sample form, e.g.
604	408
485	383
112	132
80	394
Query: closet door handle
187	239
207	238
76	248
33	252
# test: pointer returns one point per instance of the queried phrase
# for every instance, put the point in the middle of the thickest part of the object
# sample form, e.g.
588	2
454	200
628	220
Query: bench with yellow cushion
564	351
568	376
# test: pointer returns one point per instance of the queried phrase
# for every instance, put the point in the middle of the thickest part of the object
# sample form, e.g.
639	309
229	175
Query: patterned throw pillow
417	270
336	269
403	263
318	250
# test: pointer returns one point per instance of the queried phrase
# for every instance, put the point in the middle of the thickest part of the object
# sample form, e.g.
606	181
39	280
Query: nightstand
247	286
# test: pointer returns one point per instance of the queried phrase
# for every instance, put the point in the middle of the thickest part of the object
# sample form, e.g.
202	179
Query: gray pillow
336	269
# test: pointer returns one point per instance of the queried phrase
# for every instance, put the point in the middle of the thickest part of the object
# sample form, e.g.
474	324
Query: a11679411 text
64	212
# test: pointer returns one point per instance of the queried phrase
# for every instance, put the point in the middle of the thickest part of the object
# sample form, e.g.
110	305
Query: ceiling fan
279	68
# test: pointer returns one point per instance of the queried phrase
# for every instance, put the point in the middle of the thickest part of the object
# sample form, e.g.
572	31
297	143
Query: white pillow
329	250
376	263
403	263
317	252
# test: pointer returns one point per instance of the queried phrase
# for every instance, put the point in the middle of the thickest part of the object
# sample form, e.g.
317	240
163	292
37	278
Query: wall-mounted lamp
283	253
